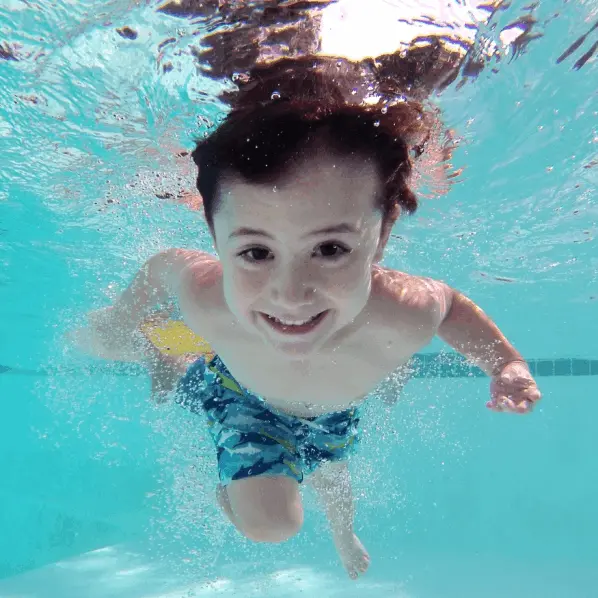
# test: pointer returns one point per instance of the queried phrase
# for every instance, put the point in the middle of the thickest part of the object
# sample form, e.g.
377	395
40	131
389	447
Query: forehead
319	190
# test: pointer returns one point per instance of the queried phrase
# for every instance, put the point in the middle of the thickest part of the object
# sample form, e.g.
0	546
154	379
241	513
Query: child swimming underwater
301	185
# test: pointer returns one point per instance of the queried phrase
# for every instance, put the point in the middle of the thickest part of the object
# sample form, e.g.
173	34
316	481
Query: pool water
103	494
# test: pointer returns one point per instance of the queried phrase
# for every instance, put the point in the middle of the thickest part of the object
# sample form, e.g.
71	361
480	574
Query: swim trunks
251	437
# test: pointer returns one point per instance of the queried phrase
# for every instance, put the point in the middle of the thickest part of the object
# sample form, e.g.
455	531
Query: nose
292	286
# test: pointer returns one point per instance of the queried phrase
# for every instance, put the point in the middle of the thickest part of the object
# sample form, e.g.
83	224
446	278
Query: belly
309	388
307	410
312	393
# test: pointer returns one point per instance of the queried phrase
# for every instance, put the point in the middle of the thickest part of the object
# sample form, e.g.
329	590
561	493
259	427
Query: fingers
503	404
513	390
530	395
524	407
518	395
533	394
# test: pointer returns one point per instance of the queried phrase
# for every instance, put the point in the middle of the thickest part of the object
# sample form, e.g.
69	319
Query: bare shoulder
197	285
417	298
198	269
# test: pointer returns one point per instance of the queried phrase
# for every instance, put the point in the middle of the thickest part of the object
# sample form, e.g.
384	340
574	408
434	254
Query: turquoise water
104	495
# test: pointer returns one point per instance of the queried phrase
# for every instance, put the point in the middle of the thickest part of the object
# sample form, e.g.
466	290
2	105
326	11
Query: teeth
292	322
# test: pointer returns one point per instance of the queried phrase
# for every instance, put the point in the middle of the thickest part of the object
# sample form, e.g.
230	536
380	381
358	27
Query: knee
268	509
273	529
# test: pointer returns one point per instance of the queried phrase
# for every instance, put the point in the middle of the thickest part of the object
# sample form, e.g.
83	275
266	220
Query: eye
256	254
331	250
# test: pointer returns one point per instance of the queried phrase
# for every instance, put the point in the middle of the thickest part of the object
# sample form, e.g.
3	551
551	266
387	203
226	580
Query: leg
332	484
258	462
165	371
263	508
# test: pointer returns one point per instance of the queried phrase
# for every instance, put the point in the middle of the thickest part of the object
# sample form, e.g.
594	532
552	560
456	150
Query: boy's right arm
113	332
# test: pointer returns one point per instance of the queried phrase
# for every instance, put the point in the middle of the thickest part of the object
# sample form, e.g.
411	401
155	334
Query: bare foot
352	553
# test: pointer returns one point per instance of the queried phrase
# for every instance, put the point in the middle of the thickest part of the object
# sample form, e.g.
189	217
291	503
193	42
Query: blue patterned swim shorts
252	438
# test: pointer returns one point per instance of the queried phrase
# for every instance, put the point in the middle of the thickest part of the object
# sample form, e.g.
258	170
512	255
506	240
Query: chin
299	350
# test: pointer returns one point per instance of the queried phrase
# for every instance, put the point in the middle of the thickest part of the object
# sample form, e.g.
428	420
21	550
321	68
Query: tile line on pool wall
422	365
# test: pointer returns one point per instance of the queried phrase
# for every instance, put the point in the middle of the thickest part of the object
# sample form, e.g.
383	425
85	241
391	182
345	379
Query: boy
301	185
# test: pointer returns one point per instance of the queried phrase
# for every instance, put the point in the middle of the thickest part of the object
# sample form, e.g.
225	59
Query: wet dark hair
283	107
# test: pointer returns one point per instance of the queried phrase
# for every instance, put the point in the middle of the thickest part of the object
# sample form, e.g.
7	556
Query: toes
358	568
365	564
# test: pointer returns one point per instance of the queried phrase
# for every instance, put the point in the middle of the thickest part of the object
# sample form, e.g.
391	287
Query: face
297	255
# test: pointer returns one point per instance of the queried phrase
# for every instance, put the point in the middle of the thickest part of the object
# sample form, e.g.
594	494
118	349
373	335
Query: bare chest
329	381
385	336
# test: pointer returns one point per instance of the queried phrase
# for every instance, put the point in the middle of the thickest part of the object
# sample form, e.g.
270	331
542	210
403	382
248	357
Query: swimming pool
103	494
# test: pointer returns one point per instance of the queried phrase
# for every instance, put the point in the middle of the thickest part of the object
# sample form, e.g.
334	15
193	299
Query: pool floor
124	572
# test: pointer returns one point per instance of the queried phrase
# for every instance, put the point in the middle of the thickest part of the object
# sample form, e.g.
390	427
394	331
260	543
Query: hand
513	389
105	336
109	325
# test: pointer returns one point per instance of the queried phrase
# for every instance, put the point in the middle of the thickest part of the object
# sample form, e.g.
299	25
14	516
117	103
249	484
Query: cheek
352	280
242	287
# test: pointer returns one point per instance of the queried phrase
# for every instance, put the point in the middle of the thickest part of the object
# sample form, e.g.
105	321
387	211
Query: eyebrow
328	230
336	229
249	232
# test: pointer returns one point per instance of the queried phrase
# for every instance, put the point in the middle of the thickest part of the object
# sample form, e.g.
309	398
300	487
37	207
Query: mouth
294	326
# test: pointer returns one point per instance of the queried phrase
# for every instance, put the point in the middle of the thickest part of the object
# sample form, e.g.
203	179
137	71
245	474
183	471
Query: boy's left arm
467	329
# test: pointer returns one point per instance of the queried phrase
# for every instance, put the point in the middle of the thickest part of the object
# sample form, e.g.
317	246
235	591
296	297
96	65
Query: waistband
218	367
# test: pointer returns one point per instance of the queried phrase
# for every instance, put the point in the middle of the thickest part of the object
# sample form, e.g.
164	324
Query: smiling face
297	254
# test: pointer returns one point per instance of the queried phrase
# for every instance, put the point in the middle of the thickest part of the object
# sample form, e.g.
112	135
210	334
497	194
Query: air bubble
377	123
354	91
384	109
275	95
